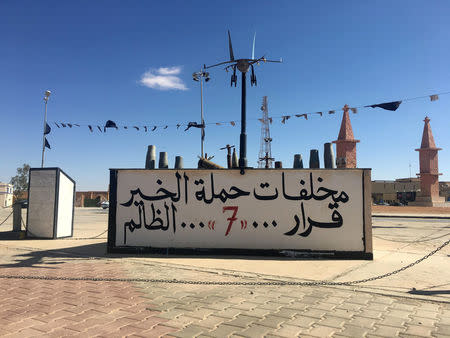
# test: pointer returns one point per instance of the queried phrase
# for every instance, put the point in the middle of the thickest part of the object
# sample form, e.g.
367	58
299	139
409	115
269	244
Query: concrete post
328	156
298	161
150	160
314	159
178	162
17	216
163	160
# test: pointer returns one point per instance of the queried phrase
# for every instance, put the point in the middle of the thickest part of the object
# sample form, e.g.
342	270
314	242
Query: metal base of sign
288	254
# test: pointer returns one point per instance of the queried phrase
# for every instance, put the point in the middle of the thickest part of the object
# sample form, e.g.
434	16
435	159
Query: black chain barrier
6	218
256	283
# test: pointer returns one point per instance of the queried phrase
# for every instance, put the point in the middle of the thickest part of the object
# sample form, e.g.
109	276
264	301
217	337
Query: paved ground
387	307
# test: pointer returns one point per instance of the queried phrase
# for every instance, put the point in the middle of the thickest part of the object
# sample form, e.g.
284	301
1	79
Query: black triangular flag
137	128
56	124
99	128
47	129
109	124
47	145
90	128
70	125
145	128
63	125
392	106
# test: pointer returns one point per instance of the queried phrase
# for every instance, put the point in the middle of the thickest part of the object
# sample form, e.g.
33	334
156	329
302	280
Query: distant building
402	190
90	198
6	194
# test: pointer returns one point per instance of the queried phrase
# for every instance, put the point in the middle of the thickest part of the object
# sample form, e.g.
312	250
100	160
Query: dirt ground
409	210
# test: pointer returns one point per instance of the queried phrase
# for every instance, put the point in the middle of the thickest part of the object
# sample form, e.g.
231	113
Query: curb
411	216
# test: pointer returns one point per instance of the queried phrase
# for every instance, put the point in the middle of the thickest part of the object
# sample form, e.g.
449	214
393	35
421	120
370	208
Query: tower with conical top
346	143
429	172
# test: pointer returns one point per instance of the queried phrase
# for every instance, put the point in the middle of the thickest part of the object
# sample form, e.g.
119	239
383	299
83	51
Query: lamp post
198	76
47	95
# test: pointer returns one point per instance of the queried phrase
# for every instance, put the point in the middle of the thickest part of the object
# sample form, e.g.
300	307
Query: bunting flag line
391	106
194	125
284	118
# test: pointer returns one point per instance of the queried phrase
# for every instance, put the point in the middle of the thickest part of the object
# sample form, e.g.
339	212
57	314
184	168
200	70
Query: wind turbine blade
253	49
230	47
217	64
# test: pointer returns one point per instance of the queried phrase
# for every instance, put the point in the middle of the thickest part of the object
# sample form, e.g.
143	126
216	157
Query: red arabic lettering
232	218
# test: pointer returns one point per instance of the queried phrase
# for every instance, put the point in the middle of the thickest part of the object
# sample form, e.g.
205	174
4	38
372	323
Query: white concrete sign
283	209
51	197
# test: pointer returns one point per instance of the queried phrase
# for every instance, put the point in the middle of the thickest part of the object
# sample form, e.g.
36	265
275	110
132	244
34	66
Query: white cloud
163	78
169	70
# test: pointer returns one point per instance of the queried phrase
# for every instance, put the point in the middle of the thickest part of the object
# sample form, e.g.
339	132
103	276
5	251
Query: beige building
6	195
402	190
90	198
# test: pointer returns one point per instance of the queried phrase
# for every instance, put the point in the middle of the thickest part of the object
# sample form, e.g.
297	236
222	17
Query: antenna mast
265	153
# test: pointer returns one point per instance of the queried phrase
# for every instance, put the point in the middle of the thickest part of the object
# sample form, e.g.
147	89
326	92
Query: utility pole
47	95
199	78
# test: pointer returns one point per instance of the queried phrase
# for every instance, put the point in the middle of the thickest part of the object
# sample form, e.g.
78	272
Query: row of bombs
314	161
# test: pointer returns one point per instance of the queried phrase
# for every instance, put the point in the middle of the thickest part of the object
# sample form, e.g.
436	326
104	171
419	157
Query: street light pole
198	76
201	113
47	95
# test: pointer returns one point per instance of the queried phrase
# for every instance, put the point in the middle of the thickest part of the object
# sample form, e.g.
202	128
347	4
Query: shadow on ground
38	258
429	293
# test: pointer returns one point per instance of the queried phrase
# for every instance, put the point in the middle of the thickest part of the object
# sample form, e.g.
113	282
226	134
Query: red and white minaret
346	143
429	172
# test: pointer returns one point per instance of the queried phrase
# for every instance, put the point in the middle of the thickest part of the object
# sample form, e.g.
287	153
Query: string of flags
391	106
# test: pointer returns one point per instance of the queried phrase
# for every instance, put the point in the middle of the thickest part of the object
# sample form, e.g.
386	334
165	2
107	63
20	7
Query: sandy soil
409	210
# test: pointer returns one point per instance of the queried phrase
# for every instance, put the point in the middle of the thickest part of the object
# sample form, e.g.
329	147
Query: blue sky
93	55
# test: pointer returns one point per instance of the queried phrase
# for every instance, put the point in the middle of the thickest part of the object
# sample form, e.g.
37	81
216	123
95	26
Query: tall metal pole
201	109
243	138
43	132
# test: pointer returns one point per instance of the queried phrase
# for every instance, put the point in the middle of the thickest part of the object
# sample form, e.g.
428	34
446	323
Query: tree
20	181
